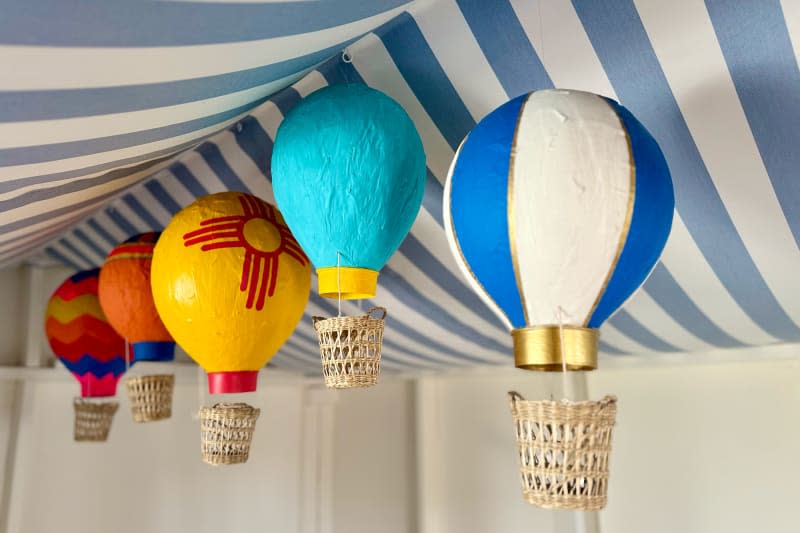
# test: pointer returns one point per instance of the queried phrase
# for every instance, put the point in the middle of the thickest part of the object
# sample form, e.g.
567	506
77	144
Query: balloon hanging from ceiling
230	283
127	301
557	207
84	341
348	173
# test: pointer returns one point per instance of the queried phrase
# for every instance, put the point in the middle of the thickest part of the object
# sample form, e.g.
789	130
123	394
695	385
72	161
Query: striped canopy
117	114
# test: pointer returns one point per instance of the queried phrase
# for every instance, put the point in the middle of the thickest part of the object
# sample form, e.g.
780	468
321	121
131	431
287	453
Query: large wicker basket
563	451
226	431
93	419
151	397
350	348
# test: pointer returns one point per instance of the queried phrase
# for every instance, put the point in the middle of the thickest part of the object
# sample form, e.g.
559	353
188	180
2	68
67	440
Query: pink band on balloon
94	387
232	382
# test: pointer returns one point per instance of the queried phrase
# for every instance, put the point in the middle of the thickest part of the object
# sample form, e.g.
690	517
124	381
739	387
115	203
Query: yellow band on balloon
543	347
353	283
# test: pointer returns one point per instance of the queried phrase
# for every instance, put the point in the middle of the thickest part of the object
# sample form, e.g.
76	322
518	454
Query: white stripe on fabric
717	124
101	217
567	213
563	46
83	67
37	208
310	83
269	117
621	341
40	132
153	206
195	163
15	172
460	56
375	65
791	14
253	177
176	189
692	272
653	317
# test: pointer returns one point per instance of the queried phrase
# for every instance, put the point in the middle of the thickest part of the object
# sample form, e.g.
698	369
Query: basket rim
607	400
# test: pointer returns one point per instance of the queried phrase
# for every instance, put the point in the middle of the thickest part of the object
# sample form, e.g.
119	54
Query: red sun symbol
264	238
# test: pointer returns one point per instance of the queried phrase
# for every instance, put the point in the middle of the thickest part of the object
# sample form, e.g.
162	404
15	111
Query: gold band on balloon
541	348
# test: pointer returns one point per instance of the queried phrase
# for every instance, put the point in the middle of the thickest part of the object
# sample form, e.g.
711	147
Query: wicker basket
350	348
151	397
93	419
226	431
563	451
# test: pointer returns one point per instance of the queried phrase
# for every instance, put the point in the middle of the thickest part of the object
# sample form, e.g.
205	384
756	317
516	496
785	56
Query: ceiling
116	117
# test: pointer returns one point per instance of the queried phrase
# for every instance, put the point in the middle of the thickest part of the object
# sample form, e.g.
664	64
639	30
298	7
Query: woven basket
151	397
93	419
350	348
563	451
226	431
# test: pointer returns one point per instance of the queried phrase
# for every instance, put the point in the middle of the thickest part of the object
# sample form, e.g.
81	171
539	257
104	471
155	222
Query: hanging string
339	280
562	355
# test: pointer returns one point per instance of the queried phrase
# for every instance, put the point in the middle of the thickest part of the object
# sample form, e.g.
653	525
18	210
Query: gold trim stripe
623	236
512	233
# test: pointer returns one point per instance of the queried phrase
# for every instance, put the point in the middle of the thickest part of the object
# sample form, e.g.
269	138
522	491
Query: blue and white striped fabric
557	207
715	82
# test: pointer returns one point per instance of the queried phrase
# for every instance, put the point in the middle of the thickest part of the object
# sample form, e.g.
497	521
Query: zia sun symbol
264	238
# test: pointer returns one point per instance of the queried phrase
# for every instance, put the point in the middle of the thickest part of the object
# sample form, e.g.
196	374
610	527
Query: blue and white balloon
558	205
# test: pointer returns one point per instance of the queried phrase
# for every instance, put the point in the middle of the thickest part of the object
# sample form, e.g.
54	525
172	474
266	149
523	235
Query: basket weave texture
350	349
93	419
151	397
226	431
563	451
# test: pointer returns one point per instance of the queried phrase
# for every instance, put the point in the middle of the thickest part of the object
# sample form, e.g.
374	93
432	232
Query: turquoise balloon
348	173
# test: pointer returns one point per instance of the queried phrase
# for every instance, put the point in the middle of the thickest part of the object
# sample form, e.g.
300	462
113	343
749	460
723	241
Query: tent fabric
714	82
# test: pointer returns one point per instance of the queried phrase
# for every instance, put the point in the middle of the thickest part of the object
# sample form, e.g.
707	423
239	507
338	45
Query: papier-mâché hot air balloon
82	338
127	301
348	173
557	207
230	283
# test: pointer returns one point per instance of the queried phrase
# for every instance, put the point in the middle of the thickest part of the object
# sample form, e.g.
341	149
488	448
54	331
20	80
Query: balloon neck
94	387
351	282
546	347
154	351
232	382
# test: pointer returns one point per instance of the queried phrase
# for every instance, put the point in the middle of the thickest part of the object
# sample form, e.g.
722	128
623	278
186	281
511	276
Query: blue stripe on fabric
631	327
81	236
212	155
480	178
164	198
758	51
147	217
121	23
101	231
53	152
188	180
122	222
407	331
255	142
286	99
614	28
607	348
653	206
684	311
506	46
77	253
417	63
61	257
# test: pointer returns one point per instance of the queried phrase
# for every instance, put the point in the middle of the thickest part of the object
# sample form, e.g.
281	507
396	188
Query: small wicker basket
151	397
93	419
350	348
563	451
226	431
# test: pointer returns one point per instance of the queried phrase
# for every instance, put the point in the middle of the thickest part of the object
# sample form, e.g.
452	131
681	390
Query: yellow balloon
230	283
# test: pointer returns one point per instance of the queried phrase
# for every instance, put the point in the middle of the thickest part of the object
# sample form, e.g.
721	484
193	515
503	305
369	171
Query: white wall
697	448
